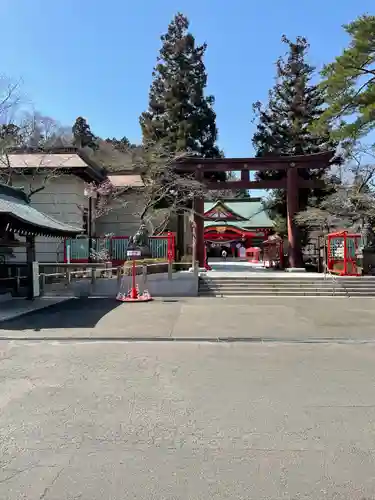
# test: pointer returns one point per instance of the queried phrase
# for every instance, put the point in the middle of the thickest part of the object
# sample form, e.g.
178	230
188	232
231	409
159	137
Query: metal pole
68	253
170	270
144	273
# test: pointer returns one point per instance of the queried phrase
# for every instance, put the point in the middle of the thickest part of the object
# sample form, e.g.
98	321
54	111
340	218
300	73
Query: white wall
60	199
123	219
181	284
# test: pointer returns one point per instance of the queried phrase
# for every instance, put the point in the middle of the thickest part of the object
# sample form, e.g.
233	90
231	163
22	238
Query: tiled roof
80	161
251	210
13	203
126	180
42	160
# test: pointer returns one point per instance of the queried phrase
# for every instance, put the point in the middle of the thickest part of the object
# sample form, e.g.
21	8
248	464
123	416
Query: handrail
335	281
9	278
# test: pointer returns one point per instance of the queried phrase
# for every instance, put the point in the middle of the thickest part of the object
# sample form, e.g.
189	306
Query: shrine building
235	223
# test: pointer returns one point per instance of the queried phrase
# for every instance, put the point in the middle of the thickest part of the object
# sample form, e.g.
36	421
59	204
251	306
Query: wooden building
20	224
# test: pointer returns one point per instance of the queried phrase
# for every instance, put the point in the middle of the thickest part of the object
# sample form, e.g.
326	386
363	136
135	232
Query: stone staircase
288	286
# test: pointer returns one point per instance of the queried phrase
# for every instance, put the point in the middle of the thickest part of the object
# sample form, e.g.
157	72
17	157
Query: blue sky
95	58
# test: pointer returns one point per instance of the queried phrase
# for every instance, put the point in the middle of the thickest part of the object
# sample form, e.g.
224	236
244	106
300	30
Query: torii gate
292	183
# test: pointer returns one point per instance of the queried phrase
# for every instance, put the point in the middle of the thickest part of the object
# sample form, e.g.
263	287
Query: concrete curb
203	340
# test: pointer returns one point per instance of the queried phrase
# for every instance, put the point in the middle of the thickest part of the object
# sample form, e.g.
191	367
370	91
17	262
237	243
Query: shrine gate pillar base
199	228
294	250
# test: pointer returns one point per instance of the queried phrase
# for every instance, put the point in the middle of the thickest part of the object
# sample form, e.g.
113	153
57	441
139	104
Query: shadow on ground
74	313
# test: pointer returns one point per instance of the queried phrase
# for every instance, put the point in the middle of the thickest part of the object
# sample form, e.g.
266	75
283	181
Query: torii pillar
199	230
198	207
292	202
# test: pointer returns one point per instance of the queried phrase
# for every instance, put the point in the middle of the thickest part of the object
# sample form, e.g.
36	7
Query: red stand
133	294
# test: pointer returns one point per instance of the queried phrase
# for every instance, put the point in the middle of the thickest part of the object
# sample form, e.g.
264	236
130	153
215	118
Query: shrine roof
15	207
247	213
65	159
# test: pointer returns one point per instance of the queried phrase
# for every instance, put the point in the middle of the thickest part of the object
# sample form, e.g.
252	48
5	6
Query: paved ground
17	307
195	421
247	318
189	419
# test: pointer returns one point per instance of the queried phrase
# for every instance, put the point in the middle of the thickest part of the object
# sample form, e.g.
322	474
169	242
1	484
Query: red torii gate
292	182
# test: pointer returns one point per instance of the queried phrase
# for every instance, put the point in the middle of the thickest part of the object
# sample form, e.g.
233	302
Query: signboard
133	253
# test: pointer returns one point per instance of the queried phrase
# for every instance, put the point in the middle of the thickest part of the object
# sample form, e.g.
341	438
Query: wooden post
30	258
199	230
198	206
292	208
180	243
89	230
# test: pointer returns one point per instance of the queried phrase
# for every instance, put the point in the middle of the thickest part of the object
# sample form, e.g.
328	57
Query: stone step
288	280
286	293
282	285
319	286
287	283
273	287
342	282
294	290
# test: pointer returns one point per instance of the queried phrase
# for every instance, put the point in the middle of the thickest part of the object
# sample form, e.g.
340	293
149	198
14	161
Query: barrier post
133	294
170	254
170	247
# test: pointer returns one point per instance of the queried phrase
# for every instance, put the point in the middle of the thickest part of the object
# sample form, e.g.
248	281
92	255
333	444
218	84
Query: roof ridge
233	212
49	150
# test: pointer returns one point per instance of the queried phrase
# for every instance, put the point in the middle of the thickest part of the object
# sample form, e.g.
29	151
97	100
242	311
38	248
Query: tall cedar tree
82	135
283	126
180	115
349	84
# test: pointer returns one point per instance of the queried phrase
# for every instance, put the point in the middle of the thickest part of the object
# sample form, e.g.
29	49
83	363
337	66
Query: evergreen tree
83	137
284	125
123	145
349	84
10	136
179	114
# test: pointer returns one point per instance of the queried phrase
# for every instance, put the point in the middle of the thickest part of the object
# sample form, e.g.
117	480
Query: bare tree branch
164	192
32	133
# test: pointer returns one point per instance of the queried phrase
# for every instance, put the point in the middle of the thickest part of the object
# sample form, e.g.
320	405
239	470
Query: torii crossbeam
292	182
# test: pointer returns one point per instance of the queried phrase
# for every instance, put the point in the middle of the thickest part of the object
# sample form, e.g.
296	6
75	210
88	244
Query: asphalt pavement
103	400
165	421
247	319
